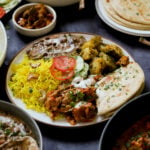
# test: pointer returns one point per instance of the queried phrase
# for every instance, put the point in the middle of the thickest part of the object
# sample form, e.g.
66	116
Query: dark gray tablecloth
70	19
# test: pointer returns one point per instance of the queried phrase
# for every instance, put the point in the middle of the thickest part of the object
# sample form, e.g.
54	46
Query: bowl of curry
129	127
34	19
17	129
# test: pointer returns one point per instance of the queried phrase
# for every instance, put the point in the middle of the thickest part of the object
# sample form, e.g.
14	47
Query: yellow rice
29	91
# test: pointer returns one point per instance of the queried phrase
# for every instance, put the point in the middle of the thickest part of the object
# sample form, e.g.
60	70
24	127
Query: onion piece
43	95
81	4
144	41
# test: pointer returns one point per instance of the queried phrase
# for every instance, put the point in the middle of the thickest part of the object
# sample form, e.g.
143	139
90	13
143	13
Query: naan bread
118	87
137	11
20	143
116	18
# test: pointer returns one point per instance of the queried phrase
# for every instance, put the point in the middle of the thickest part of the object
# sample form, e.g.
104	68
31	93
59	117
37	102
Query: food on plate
35	17
118	87
132	14
76	104
90	49
63	67
112	50
30	80
7	5
55	45
58	76
97	65
109	61
136	137
15	134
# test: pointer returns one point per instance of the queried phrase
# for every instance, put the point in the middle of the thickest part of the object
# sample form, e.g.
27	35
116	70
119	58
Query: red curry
137	137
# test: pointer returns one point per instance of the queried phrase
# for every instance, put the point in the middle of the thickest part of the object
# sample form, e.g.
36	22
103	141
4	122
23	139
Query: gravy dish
17	129
129	126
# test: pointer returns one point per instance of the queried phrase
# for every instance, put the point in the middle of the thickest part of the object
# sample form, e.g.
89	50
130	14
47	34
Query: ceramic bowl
123	119
56	3
33	32
15	111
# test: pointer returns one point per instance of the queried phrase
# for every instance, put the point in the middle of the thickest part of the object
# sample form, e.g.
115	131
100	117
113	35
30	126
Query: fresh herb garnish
30	90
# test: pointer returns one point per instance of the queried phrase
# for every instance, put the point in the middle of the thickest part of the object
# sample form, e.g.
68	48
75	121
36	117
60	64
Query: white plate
103	15
3	43
41	117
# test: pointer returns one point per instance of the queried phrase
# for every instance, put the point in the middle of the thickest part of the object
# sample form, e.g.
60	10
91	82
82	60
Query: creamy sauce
79	82
79	104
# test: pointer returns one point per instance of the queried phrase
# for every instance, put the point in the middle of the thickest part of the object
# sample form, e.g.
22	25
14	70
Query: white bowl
33	32
56	3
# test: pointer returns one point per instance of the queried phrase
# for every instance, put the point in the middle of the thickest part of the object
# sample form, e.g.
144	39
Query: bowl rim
23	7
115	114
40	142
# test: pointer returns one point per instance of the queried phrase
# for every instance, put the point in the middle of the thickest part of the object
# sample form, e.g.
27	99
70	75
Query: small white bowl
57	3
33	32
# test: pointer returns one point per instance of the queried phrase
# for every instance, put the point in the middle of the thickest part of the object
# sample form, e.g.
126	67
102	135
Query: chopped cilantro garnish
7	131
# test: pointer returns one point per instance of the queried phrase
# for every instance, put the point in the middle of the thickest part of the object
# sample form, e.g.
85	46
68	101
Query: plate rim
3	52
103	15
23	50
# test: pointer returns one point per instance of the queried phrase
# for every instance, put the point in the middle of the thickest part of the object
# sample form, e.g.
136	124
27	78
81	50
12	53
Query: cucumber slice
11	4
79	64
83	73
3	2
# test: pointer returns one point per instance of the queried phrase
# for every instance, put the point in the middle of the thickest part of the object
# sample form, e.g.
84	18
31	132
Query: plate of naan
3	43
130	17
73	79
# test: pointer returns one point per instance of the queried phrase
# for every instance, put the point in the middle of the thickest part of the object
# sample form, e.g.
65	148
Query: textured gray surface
70	19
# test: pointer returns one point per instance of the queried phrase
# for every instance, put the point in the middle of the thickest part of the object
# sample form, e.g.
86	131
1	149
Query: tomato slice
2	12
64	63
59	75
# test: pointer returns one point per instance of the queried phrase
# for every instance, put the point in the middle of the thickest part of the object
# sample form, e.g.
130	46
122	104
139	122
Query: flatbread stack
130	13
118	87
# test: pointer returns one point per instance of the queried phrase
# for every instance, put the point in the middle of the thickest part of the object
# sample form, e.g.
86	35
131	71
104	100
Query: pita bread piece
118	87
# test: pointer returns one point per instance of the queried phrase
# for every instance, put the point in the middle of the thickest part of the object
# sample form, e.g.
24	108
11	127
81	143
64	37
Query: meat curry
137	137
